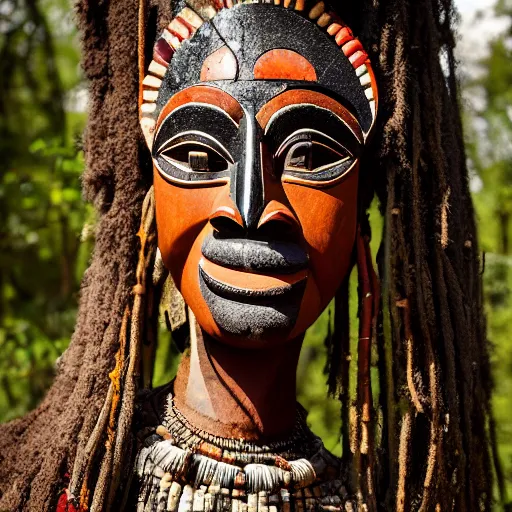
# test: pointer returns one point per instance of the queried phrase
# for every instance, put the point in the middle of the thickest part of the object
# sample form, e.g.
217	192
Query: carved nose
276	222
247	189
227	222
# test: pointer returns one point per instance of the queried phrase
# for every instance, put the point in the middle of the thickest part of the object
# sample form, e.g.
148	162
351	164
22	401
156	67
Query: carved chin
252	314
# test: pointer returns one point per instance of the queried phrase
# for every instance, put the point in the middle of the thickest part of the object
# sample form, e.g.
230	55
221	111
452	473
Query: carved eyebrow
294	117
296	97
204	95
201	105
196	116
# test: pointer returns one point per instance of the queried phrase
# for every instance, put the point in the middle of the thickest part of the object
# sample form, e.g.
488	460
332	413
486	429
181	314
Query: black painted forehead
249	31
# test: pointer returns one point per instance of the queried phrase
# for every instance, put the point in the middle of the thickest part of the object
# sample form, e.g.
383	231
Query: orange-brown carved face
256	185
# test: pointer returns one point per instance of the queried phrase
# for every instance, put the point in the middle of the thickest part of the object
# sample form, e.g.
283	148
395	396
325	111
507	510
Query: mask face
257	130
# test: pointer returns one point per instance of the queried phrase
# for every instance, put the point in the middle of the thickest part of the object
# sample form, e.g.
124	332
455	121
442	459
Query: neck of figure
232	392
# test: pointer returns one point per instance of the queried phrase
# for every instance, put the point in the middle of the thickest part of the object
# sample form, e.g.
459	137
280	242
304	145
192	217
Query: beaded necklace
180	468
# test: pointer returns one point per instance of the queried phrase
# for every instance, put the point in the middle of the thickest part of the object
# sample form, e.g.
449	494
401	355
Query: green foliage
42	259
42	214
489	142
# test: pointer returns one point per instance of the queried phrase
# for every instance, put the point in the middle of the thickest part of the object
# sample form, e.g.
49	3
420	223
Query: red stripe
352	47
186	24
175	34
344	36
164	51
358	59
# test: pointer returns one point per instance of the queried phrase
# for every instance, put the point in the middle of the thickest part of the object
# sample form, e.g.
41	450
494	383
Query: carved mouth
250	295
263	306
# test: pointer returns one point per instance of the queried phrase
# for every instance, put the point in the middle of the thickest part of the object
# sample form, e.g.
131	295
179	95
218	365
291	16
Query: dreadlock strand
404	461
442	168
100	489
424	300
473	422
426	319
341	339
116	378
462	324
365	428
335	341
147	237
410	366
83	461
85	456
363	358
456	458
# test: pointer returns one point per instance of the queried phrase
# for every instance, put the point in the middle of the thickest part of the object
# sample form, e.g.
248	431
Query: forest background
47	231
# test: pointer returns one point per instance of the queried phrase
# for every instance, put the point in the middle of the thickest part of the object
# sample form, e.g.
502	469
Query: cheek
181	215
328	218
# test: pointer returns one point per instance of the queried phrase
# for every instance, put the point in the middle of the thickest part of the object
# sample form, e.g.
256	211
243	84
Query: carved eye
313	156
195	157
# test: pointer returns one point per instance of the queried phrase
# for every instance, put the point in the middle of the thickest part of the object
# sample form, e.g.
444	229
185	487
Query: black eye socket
313	156
193	156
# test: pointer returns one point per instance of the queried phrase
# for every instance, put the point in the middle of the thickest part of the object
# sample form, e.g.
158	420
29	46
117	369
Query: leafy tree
41	209
489	137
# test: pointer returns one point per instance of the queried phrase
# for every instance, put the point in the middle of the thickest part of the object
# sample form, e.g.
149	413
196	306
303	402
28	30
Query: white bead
191	17
173	41
361	70
179	28
186	499
149	95
208	502
152	81
198	503
157	69
174	496
252	502
148	108
373	108
365	80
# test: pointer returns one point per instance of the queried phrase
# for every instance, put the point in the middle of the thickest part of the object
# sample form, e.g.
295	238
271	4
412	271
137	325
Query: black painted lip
263	297
255	255
250	314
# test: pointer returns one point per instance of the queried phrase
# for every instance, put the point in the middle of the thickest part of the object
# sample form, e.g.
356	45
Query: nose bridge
247	184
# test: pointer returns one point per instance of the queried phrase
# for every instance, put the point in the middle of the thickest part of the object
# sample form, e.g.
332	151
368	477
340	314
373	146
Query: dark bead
164	50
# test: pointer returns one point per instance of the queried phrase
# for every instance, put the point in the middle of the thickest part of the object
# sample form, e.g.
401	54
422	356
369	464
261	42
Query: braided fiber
437	386
433	363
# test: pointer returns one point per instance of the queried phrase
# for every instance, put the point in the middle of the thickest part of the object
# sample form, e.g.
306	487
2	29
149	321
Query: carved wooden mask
256	116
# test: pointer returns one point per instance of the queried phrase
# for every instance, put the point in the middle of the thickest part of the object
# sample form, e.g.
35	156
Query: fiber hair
421	441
